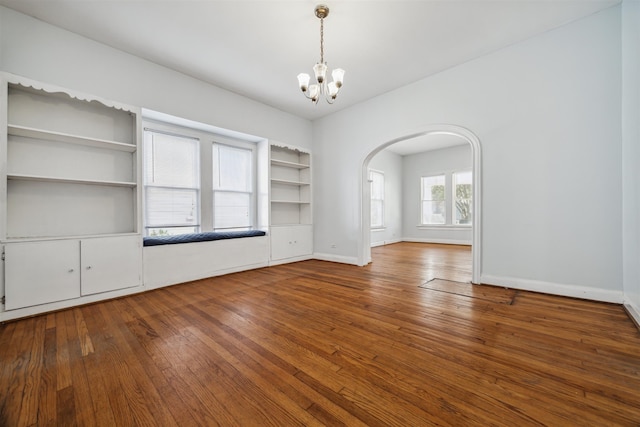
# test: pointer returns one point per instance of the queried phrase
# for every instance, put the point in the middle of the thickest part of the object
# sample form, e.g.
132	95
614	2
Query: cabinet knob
71	270
88	267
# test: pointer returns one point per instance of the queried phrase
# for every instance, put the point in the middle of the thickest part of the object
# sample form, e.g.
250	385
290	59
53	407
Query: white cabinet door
41	272
303	239
291	241
110	263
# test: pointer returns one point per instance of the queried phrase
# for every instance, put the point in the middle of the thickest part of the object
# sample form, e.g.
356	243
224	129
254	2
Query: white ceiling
256	48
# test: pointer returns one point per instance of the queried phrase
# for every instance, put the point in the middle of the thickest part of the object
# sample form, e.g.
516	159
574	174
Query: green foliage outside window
463	202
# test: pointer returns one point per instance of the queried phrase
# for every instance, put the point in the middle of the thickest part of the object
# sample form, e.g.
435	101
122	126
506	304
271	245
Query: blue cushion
200	237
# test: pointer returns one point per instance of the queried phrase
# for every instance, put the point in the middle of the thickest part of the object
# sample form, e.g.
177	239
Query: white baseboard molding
574	291
438	241
61	305
290	260
633	311
336	258
385	242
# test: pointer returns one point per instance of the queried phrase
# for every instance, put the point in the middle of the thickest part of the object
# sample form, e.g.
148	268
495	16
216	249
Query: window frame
422	201
382	200
449	201
206	140
159	128
253	214
454	199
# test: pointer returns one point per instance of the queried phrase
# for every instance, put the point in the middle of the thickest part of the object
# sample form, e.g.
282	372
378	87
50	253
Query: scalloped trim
288	147
53	89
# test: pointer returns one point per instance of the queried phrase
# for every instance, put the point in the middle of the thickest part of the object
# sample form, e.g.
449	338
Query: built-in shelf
38	178
30	132
290	196
287	164
289	182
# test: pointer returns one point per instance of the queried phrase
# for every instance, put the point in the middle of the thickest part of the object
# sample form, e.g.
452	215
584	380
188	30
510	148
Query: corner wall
631	156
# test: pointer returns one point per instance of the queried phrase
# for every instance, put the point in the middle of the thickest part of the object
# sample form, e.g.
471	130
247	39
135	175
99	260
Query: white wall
434	162
391	164
631	154
40	51
547	108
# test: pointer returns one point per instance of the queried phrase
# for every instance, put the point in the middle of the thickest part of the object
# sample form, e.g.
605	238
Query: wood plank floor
401	342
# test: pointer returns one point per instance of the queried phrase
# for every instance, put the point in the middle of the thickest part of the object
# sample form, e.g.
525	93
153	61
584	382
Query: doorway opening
364	250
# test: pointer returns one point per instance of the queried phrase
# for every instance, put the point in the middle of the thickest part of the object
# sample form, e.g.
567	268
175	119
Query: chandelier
329	91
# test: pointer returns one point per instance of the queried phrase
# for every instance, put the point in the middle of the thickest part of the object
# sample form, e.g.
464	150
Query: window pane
232	168
170	161
377	198
377	213
171	206
433	212
433	187
231	210
170	231
462	182
377	186
433	200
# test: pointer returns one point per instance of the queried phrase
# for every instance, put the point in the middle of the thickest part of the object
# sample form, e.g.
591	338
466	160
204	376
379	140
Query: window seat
200	237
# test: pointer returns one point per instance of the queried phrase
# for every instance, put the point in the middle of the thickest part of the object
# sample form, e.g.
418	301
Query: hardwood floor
400	342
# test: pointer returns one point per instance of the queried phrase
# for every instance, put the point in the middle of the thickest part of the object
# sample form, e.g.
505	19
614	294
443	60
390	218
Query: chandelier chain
322	40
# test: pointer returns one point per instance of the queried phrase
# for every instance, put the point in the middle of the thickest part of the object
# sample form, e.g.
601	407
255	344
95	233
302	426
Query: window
172	184
198	180
462	197
232	187
377	199
447	199
433	200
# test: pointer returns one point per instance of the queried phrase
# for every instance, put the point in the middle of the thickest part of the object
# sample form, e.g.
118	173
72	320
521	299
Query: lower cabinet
41	272
110	263
56	270
291	241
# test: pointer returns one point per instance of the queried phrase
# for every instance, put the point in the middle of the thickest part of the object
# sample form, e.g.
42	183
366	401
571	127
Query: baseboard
336	258
574	291
385	242
633	312
438	241
289	260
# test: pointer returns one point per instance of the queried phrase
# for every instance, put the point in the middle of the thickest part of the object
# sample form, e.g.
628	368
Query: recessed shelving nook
290	196
290	186
70	164
69	171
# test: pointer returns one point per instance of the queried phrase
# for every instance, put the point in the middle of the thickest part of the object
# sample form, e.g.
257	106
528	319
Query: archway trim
364	244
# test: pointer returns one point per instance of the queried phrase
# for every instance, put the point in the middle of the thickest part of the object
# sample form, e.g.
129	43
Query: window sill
444	227
378	228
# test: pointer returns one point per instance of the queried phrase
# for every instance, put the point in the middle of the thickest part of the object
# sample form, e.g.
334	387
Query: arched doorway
364	249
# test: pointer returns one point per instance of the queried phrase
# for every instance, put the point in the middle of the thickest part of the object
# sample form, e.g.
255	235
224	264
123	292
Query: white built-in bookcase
70	191
290	198
290	186
71	165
